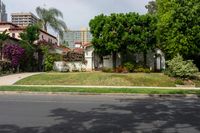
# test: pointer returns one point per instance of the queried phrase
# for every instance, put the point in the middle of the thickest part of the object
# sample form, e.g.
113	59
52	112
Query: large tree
179	27
119	33
109	34
52	17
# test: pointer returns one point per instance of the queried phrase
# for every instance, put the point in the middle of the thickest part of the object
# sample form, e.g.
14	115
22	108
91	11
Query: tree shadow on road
136	116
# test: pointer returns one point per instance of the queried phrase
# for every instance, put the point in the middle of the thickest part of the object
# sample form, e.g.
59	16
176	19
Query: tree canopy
119	33
179	27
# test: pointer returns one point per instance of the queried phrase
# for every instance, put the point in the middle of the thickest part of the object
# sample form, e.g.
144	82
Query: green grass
100	79
98	90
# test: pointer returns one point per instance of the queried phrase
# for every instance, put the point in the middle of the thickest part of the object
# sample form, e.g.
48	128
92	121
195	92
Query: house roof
8	23
84	44
63	48
15	27
78	50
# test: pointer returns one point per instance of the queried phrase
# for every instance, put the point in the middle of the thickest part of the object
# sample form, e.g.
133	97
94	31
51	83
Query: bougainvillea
14	53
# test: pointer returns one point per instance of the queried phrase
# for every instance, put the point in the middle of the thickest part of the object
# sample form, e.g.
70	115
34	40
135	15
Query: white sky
77	13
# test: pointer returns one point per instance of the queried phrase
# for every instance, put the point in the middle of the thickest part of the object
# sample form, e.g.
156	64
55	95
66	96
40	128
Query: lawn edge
196	96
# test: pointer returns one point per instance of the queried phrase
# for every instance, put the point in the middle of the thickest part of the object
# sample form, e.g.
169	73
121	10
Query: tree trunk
114	59
145	58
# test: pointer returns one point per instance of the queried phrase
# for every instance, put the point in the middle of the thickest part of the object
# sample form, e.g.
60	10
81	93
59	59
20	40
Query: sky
77	13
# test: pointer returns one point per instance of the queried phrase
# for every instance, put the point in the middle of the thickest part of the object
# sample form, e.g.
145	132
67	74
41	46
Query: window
13	35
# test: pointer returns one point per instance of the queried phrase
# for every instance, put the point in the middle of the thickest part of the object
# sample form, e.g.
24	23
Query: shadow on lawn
138	116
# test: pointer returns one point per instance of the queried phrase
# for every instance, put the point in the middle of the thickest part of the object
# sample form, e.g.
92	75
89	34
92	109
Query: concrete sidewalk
11	79
110	87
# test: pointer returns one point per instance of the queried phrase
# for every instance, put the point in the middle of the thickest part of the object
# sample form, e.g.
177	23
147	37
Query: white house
155	60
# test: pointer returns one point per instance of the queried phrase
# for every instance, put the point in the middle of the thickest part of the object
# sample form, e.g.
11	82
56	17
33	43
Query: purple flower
14	53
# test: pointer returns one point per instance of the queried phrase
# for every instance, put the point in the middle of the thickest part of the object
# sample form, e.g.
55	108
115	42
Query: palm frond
55	12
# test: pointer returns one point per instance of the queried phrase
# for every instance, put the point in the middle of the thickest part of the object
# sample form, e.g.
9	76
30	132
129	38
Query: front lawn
100	79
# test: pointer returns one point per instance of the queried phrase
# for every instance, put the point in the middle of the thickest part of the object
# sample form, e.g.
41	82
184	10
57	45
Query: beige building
15	30
23	19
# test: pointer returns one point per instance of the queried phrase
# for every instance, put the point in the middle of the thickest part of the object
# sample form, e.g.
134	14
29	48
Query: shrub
143	70
129	66
179	82
48	63
177	67
5	67
57	57
107	70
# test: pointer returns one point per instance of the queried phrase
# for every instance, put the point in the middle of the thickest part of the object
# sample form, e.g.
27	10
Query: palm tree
51	17
3	37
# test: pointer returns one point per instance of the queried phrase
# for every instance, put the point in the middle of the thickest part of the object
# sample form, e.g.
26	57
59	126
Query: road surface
97	114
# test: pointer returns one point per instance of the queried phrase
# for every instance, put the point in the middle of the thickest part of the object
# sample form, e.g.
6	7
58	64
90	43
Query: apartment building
77	37
23	19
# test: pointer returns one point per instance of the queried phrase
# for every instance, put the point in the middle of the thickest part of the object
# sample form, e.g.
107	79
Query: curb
109	87
194	96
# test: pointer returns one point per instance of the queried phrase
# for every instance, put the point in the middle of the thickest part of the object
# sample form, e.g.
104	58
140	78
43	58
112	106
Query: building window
13	35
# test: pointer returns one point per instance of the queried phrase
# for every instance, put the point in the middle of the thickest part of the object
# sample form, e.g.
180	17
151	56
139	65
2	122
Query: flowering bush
14	53
177	67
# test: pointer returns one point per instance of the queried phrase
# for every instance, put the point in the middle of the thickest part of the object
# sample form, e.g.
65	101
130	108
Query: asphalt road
97	114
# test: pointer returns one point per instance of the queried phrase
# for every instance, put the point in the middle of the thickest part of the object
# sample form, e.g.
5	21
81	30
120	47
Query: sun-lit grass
100	79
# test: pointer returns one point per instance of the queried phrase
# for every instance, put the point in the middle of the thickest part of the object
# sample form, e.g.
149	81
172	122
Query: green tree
179	27
53	18
28	42
108	34
140	33
3	37
119	33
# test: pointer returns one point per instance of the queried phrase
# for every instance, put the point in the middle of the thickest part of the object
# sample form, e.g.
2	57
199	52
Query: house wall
89	58
47	37
4	27
108	61
153	58
17	30
76	66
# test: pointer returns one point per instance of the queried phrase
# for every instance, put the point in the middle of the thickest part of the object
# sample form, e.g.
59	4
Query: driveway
97	114
11	79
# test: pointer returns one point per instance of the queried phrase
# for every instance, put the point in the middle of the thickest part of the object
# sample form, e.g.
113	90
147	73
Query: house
59	49
155	59
15	30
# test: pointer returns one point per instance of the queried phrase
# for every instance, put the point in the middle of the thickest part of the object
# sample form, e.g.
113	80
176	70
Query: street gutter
111	87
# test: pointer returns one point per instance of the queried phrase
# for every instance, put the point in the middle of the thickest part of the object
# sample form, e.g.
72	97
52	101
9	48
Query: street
21	113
